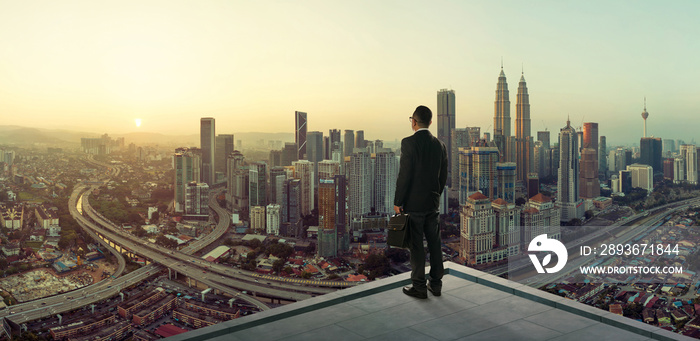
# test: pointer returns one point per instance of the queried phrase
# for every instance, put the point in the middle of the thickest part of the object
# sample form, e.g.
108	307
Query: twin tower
518	148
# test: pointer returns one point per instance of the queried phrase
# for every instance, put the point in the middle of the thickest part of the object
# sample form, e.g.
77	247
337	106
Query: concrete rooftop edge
397	281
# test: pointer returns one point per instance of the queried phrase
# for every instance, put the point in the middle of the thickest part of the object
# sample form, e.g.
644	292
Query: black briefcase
398	234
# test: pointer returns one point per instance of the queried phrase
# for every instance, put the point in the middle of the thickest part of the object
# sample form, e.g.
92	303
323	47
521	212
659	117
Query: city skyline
97	67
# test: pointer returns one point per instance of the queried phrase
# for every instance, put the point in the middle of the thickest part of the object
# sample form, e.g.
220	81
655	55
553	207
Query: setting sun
138	122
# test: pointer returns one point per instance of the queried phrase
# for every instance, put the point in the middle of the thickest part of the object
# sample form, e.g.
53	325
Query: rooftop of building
106	331
474	306
539	197
217	307
155	305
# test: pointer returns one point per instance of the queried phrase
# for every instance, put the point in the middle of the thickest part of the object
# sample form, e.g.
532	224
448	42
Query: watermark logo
541	243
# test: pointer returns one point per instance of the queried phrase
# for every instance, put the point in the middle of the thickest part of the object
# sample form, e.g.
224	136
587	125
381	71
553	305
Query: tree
305	275
588	214
520	201
398	255
375	266
155	216
278	265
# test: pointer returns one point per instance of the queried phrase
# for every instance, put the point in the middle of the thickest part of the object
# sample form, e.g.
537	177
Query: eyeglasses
411	119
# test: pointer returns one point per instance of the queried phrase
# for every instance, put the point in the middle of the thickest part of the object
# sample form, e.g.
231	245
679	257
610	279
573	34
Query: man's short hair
423	116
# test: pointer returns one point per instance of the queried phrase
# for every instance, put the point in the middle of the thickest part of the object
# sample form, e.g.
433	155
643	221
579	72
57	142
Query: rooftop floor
473	306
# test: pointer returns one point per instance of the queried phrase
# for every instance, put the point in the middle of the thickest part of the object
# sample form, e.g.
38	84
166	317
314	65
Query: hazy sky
98	65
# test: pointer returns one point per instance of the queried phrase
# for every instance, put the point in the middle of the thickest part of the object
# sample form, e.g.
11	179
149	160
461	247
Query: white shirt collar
420	130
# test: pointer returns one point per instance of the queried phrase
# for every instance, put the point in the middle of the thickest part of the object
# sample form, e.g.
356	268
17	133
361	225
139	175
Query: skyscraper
331	212
289	154
603	158
257	192
224	147
300	134
642	176
314	149
523	135
207	136
568	180
236	182
304	171
349	141
588	180
477	169
461	138
360	139
545	168
275	184
506	176
273	219
187	169
650	153
446	123
590	185
334	141
501	118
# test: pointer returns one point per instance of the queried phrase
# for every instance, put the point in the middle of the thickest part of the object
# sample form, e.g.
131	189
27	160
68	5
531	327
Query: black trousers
425	224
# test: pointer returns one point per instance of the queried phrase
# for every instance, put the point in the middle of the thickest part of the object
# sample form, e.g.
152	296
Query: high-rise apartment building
568	175
257	218
523	134
197	199
207	136
304	171
300	134
446	123
678	170
273	219
386	171
360	183
477	169
642	176
689	153
224	148
187	169
327	169
236	182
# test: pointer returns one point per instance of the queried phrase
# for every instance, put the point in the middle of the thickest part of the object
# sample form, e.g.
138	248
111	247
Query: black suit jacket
422	174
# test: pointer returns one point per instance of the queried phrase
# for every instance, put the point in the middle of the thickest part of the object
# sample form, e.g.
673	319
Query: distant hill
27	136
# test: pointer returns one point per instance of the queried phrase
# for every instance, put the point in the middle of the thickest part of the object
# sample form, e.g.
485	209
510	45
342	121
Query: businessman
422	177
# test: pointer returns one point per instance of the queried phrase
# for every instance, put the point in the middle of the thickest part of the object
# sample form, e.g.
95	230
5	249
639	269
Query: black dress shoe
411	291
434	292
